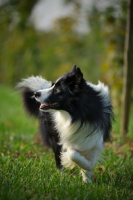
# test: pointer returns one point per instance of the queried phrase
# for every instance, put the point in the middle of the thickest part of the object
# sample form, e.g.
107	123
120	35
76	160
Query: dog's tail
27	88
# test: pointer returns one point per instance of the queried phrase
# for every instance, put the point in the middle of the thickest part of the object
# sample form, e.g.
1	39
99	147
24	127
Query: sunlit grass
27	169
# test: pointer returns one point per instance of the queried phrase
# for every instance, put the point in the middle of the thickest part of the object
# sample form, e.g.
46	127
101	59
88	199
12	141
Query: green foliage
114	29
16	37
26	51
27	170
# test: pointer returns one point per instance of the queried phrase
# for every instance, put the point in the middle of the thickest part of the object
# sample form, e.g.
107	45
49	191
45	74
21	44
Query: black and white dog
75	117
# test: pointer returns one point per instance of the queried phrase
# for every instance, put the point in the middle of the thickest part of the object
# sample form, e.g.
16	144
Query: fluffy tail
27	88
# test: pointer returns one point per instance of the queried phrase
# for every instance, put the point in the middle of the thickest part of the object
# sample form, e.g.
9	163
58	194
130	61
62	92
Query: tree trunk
128	68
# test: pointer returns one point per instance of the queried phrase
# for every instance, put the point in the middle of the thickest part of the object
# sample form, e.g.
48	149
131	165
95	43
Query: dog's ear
77	72
75	80
74	68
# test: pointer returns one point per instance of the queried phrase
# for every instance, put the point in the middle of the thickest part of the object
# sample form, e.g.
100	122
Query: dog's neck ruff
70	134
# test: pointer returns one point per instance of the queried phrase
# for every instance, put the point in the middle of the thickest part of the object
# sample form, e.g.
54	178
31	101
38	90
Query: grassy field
27	169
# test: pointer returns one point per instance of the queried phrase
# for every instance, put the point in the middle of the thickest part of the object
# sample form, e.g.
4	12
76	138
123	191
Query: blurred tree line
25	51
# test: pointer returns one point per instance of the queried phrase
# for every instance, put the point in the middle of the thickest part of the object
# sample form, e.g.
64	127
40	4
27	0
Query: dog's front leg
81	161
86	175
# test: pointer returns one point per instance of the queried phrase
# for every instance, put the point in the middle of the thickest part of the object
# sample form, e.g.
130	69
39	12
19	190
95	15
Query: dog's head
63	93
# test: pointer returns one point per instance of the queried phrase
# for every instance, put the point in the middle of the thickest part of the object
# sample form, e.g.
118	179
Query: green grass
27	169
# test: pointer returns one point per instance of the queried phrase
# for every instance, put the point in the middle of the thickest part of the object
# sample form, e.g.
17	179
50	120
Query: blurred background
46	37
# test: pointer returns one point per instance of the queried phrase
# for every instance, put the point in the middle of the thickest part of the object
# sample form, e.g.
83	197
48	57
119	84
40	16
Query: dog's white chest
72	136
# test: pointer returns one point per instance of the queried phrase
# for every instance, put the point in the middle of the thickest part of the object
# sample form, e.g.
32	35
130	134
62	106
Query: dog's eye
56	89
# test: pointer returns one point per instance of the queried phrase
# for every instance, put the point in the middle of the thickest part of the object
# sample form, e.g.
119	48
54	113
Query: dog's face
63	94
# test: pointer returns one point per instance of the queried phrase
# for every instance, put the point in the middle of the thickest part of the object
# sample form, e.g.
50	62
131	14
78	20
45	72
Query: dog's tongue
43	105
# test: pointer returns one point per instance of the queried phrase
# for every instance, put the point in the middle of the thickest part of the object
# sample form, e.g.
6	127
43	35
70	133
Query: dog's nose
37	94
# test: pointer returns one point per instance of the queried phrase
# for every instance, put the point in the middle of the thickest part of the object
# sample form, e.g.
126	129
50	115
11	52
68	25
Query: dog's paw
86	176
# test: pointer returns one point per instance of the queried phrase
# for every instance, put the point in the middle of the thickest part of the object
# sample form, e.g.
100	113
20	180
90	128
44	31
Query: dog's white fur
79	148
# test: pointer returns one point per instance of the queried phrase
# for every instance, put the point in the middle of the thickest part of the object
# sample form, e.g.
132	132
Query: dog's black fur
49	134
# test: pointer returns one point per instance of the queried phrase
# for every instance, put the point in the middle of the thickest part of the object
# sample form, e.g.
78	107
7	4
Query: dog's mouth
46	106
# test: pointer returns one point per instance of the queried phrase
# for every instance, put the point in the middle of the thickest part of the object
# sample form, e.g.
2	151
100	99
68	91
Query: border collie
75	117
